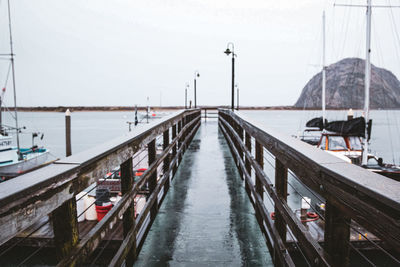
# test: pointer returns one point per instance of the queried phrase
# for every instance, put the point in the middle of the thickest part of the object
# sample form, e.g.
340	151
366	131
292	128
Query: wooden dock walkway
209	197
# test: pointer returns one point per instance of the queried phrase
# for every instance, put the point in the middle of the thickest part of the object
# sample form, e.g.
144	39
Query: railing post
240	133
259	186
174	168
180	140
65	228
247	162
167	159
260	161
337	235
151	147
281	173
129	215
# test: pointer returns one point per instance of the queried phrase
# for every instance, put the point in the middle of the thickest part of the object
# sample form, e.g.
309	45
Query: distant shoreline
143	108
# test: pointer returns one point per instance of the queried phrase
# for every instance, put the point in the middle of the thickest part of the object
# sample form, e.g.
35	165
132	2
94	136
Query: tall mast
367	82
323	70
13	77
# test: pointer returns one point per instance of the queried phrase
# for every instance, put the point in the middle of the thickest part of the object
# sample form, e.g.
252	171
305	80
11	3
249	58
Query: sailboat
349	139
16	160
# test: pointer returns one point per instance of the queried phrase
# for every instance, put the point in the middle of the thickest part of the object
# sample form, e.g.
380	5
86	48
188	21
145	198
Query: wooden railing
352	194
51	190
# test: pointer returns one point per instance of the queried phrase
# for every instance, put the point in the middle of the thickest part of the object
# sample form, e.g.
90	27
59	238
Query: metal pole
237	88
186	98
68	150
323	71
13	77
367	83
195	101
233	80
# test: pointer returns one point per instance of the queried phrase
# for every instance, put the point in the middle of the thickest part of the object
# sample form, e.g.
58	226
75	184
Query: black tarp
354	127
316	122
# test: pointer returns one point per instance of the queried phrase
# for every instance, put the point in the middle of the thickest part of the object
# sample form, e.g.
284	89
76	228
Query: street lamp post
228	52
186	88
196	74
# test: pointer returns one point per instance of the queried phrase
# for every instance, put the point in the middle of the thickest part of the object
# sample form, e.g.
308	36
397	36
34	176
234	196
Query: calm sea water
93	128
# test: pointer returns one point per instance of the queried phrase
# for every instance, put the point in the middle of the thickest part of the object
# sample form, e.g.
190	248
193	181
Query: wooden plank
337	235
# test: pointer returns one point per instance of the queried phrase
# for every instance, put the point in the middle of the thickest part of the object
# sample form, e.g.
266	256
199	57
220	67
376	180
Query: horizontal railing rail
351	193
52	189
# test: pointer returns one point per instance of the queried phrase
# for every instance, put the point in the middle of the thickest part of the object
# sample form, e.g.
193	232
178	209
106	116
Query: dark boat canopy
316	122
353	127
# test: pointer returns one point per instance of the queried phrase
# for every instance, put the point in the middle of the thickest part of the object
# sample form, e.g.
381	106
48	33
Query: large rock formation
345	87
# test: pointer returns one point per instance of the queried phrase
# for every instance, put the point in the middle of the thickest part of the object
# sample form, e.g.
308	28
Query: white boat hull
17	167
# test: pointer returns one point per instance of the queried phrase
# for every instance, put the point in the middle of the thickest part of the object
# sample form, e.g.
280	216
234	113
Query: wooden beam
281	190
129	215
151	150
65	228
337	235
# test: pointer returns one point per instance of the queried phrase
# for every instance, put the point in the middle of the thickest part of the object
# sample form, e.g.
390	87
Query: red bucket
102	211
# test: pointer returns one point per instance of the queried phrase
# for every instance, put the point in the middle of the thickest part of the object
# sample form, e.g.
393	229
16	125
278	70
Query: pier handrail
351	192
28	198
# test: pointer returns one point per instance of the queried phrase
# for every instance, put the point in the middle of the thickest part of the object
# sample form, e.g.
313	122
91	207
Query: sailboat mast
323	71
13	77
367	82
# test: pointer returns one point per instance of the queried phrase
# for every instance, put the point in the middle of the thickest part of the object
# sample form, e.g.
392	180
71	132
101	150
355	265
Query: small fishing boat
16	160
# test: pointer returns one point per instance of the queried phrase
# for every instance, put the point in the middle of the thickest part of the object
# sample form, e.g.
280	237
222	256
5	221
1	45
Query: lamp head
198	75
227	52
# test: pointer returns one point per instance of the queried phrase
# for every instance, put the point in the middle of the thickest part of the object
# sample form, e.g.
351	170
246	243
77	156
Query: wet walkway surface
206	218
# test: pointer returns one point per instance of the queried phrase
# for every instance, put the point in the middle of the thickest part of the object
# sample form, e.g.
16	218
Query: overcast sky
98	52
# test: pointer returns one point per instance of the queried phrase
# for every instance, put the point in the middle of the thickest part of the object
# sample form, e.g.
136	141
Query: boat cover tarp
316	122
353	127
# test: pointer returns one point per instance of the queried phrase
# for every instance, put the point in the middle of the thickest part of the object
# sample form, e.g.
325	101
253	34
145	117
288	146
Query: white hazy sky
98	52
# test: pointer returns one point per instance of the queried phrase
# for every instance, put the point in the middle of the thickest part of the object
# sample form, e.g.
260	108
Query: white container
90	214
305	203
80	205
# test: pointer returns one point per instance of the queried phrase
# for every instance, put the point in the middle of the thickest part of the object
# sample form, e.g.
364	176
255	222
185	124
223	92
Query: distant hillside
345	87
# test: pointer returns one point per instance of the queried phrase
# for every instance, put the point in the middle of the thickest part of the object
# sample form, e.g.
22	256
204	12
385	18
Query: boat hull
17	167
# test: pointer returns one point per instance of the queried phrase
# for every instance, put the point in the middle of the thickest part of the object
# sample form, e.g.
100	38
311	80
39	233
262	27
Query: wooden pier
362	209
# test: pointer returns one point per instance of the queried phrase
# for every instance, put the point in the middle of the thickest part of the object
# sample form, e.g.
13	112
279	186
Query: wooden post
260	161
174	149
68	151
129	215
247	162
151	148
180	141
167	159
240	133
65	228
259	186
337	235
281	190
